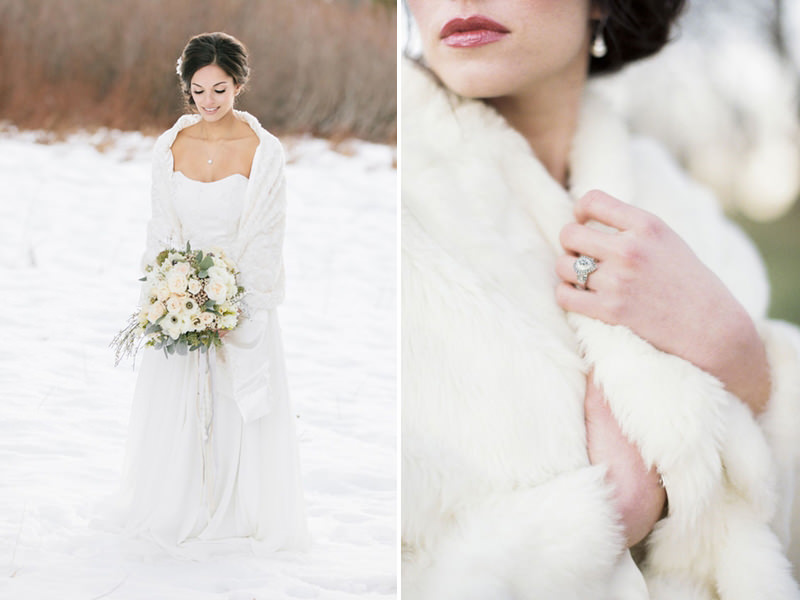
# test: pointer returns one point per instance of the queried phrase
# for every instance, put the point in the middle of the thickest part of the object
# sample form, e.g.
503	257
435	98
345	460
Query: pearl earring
599	48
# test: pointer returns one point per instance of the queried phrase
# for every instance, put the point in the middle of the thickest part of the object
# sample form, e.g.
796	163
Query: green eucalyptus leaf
206	263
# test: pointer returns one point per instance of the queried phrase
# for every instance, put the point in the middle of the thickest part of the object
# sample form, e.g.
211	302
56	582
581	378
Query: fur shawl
244	360
258	251
499	499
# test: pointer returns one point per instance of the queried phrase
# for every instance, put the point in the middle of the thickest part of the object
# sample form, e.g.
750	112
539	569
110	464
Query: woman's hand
649	280
639	496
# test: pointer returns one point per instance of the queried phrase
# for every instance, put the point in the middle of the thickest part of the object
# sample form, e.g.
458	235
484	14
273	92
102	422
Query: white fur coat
498	497
257	254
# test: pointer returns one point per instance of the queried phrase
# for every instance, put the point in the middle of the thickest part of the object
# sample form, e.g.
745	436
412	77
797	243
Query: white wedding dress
197	475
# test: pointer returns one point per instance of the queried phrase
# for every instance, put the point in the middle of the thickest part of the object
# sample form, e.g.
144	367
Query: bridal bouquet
189	296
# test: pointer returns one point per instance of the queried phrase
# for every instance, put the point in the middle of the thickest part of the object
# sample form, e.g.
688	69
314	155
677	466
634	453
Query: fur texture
499	499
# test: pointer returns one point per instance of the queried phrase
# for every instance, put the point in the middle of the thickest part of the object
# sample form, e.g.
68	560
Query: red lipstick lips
472	31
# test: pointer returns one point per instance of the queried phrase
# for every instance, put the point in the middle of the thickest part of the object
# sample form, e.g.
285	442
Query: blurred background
324	67
723	98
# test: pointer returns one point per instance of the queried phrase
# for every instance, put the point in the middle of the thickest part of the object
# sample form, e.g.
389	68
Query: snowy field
72	224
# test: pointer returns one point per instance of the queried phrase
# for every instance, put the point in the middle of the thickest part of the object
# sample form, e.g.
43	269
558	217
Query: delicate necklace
214	155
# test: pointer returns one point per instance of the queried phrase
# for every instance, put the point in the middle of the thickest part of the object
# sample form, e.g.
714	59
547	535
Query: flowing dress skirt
239	480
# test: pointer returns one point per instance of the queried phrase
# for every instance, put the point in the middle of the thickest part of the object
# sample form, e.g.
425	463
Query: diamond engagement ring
584	266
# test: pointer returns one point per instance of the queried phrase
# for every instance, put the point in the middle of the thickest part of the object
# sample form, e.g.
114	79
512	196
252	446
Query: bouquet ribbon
205	414
237	371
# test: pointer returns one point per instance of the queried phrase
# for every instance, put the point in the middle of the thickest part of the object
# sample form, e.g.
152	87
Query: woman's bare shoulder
245	135
187	135
184	138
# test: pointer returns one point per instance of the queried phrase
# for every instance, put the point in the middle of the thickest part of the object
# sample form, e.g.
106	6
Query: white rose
177	281
162	291
183	268
217	273
195	286
155	311
217	291
207	319
175	304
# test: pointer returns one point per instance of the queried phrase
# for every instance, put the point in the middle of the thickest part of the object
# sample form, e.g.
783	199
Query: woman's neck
220	129
547	117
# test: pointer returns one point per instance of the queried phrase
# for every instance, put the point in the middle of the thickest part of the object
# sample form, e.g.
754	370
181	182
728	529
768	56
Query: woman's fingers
565	269
649	279
599	206
577	300
603	297
582	239
630	267
639	496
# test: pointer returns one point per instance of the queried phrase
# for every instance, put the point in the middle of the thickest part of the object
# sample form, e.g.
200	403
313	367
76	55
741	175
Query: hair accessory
178	64
599	48
584	266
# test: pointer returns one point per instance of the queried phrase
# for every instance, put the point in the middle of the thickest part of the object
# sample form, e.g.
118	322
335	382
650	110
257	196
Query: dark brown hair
218	48
633	29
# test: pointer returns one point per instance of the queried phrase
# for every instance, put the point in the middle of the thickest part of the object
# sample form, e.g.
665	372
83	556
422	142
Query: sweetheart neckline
215	181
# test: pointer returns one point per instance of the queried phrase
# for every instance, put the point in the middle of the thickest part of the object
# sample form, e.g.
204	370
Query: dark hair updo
633	29
220	49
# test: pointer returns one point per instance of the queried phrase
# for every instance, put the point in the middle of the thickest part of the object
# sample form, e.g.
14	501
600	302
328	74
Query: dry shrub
322	67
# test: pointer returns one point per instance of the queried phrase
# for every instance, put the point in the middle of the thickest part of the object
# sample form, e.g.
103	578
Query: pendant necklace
214	155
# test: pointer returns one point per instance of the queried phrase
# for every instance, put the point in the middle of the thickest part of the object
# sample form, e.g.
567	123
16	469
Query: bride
212	454
594	404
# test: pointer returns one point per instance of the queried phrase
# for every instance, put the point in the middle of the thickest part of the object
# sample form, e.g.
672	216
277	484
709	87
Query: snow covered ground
72	221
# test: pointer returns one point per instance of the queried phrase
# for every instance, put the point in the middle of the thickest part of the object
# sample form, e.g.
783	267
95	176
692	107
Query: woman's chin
470	83
212	116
